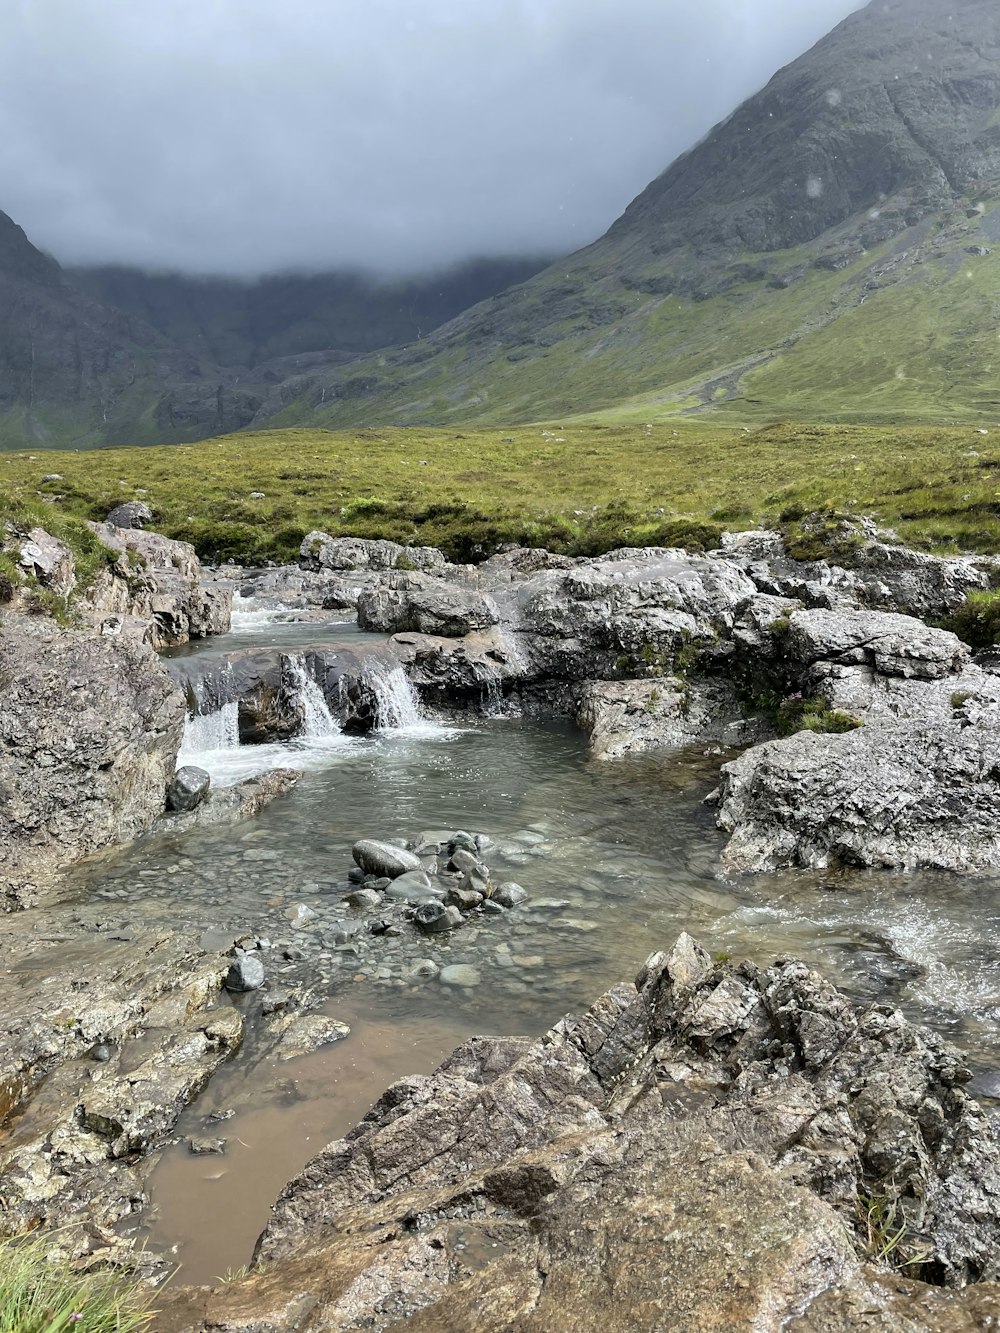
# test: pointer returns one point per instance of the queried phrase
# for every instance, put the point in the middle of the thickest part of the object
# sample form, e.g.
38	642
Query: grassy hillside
904	331
575	487
825	253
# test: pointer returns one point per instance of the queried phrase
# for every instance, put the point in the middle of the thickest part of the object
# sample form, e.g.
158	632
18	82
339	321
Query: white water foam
397	707
319	726
249	617
208	733
212	740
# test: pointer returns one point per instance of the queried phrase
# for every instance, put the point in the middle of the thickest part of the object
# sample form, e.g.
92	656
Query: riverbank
669	662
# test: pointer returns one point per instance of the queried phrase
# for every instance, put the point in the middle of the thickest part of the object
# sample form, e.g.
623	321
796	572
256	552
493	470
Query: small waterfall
207	733
397	707
319	723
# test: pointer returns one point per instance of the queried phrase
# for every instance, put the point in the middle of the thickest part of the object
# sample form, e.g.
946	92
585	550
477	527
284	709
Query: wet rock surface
90	727
712	1136
190	786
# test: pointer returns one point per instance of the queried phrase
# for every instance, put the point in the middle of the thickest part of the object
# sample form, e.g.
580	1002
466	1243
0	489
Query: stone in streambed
414	886
383	859
460	974
245	973
464	899
203	1146
434	917
188	789
509	894
300	915
364	898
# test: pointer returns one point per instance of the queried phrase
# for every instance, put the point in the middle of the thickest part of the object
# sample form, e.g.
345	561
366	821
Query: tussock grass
42	1293
577	487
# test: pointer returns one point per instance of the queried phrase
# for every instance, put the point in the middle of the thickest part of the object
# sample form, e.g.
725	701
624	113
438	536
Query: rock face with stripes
695	1153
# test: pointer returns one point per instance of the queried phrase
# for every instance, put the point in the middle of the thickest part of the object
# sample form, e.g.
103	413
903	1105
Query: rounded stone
383	859
509	894
434	917
245	973
460	974
188	789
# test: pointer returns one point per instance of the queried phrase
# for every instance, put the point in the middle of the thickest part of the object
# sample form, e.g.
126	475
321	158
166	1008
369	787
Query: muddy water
617	859
208	1210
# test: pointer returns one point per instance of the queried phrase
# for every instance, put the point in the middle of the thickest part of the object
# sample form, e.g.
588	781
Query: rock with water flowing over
703	1150
89	730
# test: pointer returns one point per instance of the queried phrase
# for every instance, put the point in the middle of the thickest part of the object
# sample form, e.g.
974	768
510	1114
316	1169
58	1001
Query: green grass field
580	488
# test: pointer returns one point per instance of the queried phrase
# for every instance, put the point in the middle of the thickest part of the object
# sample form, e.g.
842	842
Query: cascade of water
207	733
397	707
319	723
248	615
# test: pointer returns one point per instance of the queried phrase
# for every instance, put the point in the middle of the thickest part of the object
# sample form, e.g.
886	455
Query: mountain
118	356
829	251
826	251
251	323
74	371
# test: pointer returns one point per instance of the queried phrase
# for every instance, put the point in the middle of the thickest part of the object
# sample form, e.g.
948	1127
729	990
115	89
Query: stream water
617	858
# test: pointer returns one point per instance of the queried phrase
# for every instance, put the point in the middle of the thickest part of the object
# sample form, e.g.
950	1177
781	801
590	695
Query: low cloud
246	136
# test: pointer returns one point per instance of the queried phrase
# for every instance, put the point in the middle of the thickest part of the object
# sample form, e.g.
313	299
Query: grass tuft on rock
977	620
41	1292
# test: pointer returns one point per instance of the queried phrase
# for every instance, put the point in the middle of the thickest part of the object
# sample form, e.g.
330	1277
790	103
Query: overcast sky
244	136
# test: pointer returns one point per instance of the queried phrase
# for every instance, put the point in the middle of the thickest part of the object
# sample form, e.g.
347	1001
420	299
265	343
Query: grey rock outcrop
151	1005
321	551
712	1133
158	580
663	713
862	567
48	560
892	645
89	731
901	795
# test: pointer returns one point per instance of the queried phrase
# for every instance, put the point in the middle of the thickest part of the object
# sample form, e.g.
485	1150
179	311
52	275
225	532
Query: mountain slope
74	371
235	323
824	251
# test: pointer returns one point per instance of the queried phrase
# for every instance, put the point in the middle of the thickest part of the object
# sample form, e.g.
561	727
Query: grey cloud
241	136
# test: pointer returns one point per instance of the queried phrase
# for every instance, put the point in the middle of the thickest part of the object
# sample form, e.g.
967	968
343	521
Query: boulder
319	551
246	972
131	514
188	789
892	645
382	858
413	602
